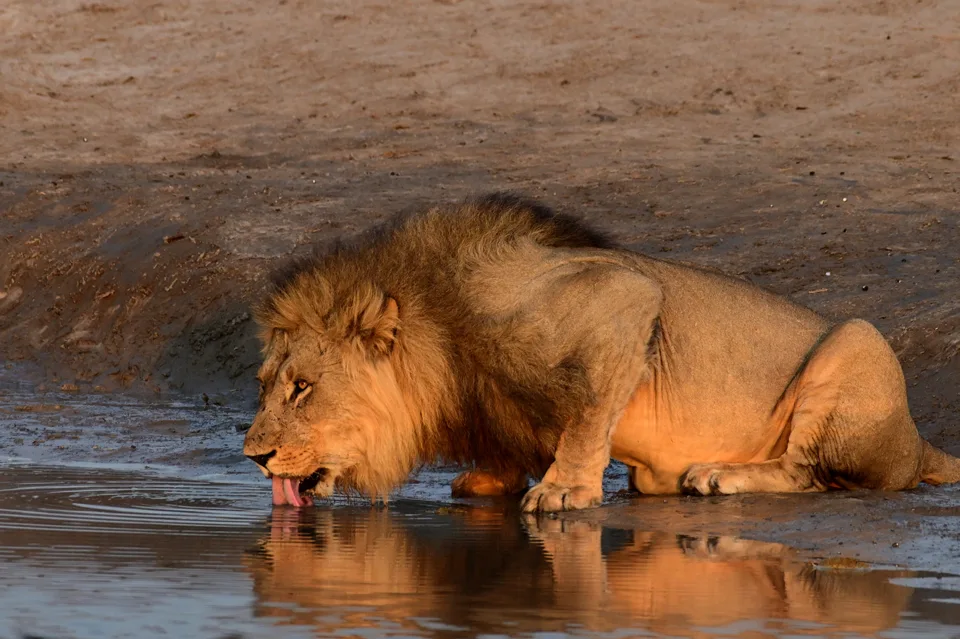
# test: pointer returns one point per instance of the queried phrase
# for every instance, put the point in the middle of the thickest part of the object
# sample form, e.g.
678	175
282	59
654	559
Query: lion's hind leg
774	476
848	425
477	482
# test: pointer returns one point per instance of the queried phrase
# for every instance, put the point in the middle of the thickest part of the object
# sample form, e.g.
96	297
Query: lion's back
487	223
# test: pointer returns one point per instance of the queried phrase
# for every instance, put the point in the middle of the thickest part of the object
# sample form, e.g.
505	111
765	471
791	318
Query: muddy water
176	537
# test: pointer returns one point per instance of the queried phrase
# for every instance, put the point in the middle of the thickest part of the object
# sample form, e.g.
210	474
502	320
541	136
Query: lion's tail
937	467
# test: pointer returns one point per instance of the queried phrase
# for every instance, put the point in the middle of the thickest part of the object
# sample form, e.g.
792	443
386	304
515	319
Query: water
103	553
177	538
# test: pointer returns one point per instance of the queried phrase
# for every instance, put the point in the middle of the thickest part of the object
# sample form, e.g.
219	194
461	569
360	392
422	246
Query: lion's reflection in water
480	570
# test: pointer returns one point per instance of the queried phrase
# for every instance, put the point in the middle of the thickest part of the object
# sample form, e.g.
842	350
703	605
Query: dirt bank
158	158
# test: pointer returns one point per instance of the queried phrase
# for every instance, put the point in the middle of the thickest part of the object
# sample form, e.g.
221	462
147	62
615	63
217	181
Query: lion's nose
262	460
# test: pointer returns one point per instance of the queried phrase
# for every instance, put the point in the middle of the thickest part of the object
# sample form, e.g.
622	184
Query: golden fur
501	336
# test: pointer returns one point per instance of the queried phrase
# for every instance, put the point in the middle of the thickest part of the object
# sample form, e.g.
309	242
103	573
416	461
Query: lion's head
341	404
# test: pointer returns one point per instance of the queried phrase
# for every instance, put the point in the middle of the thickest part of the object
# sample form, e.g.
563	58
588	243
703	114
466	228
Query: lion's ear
376	326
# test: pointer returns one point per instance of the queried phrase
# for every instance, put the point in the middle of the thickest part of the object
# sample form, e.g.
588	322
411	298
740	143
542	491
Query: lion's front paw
707	479
547	498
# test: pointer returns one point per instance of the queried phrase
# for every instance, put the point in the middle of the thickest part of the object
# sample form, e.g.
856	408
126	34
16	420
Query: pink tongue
291	488
287	491
278	497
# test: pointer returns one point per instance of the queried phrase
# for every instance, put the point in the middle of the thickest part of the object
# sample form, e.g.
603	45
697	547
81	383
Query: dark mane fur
559	230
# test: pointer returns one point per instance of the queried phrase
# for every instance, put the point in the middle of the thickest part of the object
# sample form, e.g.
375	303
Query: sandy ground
158	158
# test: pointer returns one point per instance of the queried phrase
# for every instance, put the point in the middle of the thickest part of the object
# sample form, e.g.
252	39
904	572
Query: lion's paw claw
548	497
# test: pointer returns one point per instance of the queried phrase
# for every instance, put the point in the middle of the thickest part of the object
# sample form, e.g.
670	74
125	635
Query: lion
520	343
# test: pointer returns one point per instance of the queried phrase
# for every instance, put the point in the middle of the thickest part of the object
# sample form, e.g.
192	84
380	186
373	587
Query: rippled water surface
101	553
120	520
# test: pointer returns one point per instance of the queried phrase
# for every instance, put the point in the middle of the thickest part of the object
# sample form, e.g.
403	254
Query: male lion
500	335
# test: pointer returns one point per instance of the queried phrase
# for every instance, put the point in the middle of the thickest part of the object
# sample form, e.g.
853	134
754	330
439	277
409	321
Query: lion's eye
298	387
